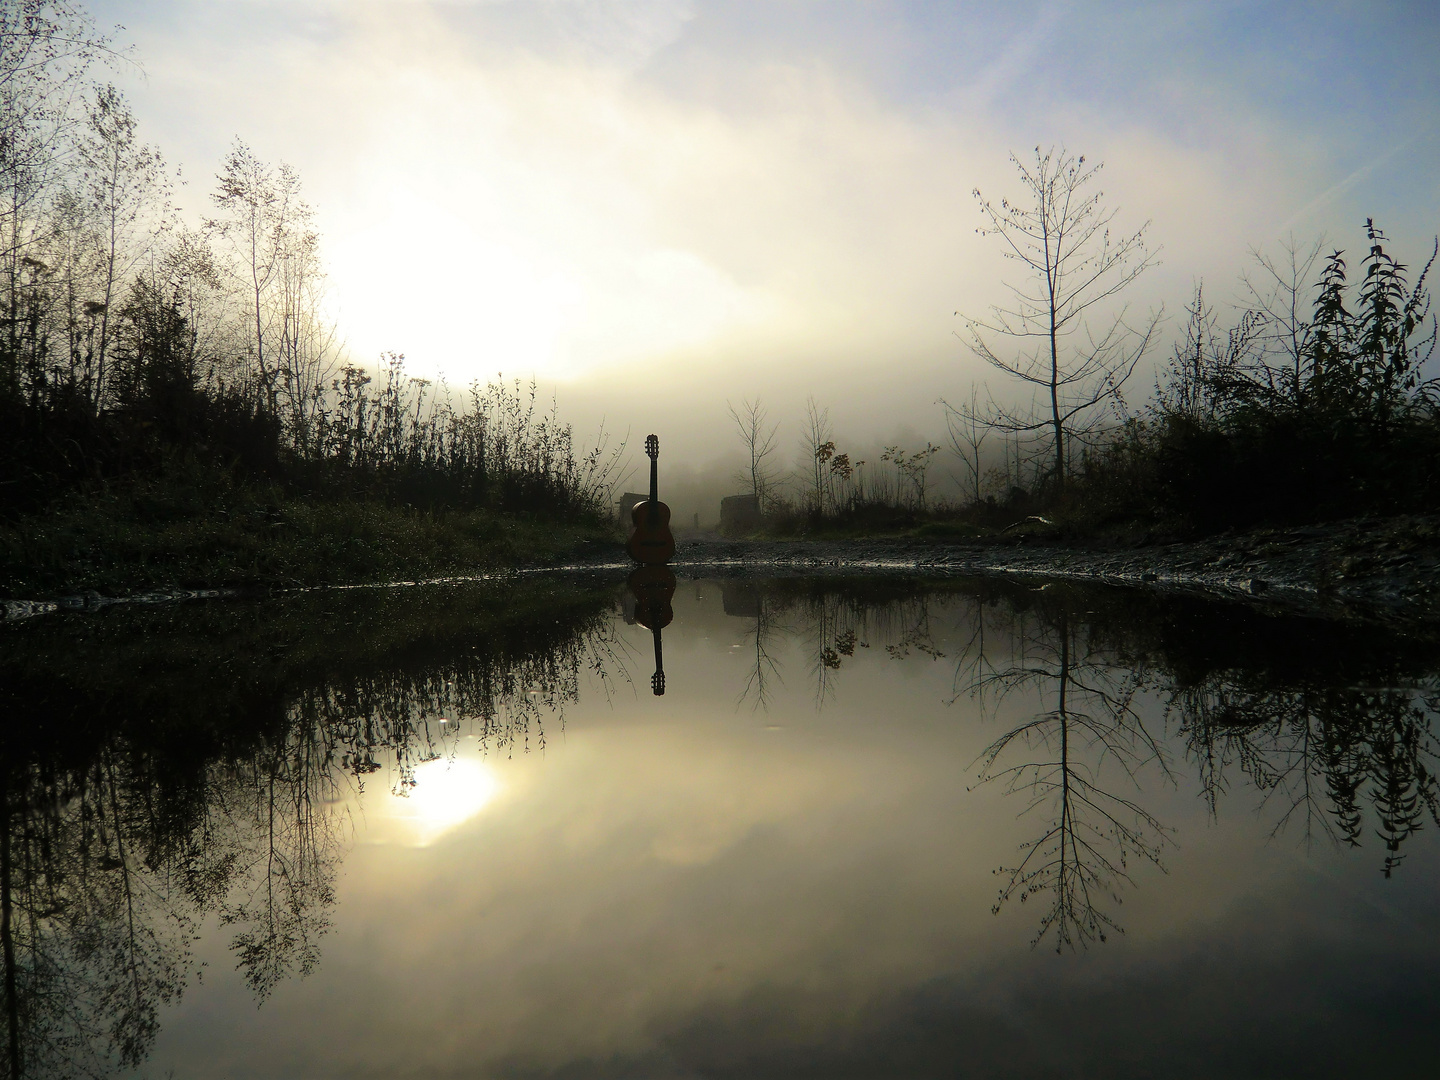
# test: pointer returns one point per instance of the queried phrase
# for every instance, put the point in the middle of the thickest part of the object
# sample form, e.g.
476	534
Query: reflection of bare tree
765	671
281	887
836	626
840	622
90	942
286	846
1069	756
833	623
105	874
833	619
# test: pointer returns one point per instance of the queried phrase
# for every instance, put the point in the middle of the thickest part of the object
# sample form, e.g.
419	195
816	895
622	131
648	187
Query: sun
447	793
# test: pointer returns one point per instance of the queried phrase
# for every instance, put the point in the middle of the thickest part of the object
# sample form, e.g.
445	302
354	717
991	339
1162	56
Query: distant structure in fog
741	598
739	512
626	504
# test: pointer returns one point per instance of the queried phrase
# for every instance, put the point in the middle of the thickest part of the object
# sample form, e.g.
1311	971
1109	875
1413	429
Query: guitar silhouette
654	588
650	540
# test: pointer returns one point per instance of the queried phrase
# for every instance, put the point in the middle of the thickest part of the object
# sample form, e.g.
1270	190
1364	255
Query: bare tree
46	48
274	253
1207	364
817	445
969	427
191	279
1075	269
307	349
126	196
246	198
1277	293
758	435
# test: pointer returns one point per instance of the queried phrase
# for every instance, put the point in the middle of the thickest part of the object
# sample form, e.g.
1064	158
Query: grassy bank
159	534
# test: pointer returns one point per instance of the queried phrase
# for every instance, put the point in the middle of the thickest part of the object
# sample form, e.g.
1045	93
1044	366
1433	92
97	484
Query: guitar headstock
657	683
652	447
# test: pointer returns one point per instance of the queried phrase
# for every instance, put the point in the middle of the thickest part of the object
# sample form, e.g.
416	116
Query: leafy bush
1345	424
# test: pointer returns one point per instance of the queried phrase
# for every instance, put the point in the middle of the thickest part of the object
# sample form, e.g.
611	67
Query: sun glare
447	793
451	299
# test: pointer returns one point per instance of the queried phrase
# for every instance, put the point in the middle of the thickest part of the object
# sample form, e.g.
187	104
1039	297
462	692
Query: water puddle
869	826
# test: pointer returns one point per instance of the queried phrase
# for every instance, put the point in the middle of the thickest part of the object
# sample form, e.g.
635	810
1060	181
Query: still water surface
878	827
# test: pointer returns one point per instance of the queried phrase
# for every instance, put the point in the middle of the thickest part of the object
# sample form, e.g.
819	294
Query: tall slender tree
1071	336
273	250
817	445
46	47
126	195
758	434
247	201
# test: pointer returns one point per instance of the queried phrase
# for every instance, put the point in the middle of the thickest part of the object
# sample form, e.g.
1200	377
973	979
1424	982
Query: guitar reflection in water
652	545
654	589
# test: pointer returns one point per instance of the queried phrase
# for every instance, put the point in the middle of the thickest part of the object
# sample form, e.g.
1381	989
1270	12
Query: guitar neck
655	479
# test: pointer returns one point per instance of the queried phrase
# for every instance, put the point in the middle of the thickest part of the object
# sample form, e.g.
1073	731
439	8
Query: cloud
1334	191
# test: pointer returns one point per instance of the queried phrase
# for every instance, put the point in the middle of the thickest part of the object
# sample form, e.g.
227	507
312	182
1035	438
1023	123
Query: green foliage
1238	434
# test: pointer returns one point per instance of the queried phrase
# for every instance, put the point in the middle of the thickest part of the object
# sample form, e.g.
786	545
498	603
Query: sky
656	207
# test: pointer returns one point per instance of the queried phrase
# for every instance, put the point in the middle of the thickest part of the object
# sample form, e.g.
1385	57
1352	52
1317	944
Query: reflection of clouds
1283	987
654	869
670	890
665	897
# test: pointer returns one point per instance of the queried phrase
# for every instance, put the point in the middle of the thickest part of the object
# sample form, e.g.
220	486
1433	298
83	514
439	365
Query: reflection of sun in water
447	793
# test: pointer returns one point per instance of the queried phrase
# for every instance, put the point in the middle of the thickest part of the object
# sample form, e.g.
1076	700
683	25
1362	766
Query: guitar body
654	590
651	542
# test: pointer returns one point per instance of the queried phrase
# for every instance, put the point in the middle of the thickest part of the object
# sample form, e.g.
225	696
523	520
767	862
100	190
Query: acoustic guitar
650	540
654	590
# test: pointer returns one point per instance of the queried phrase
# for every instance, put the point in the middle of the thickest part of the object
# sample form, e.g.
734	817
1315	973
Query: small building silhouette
738	513
627	503
741	598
